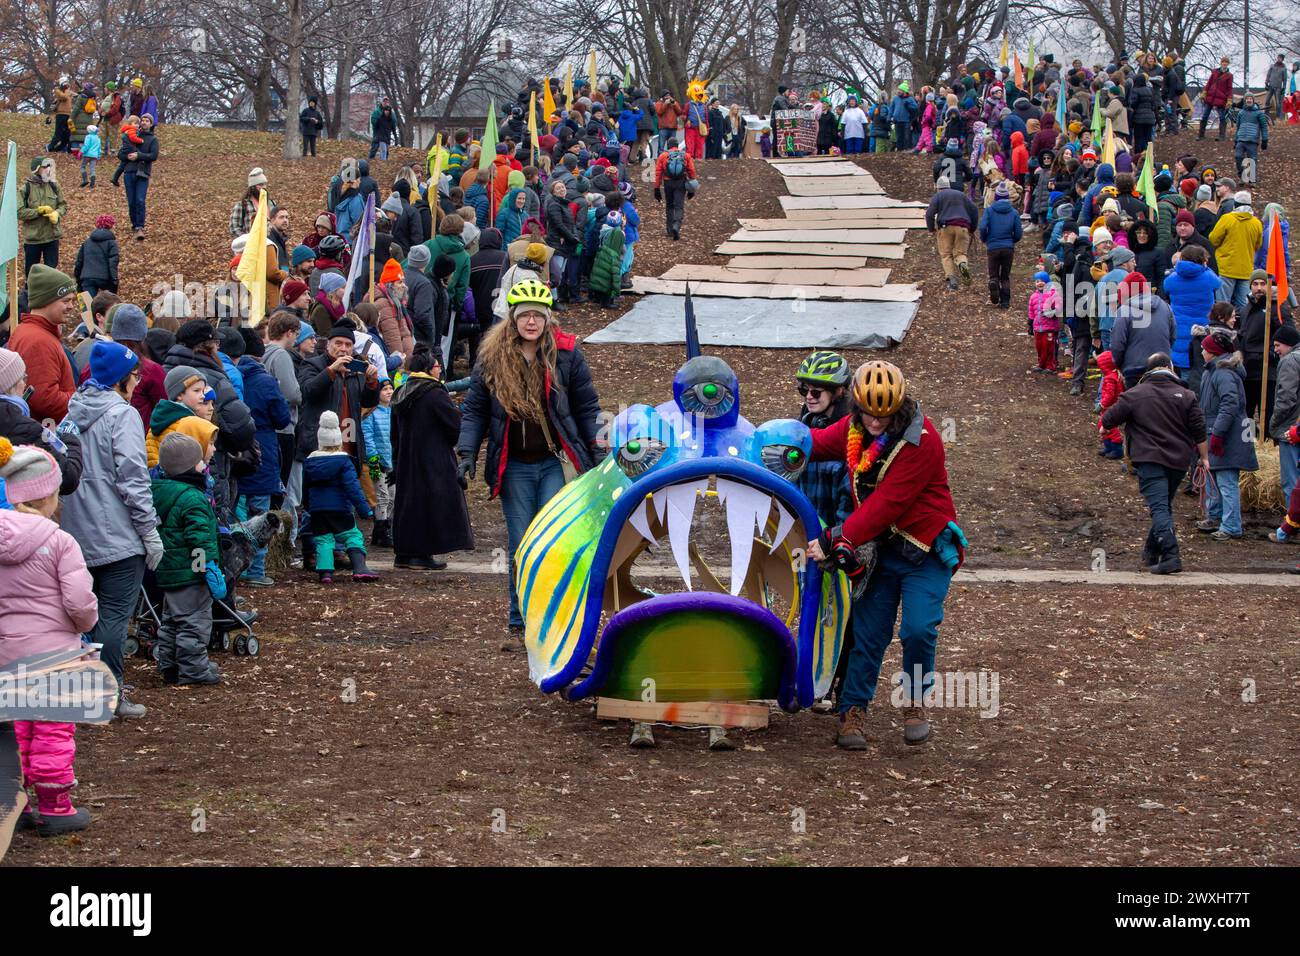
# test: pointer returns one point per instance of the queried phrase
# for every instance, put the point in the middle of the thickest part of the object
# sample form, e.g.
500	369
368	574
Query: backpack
676	167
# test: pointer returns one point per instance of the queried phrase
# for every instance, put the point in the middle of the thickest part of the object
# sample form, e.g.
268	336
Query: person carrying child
190	573
1045	320
331	491
1112	387
42	563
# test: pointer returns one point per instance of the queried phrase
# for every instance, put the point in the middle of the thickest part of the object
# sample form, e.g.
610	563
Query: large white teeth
784	522
747	508
676	506
640	519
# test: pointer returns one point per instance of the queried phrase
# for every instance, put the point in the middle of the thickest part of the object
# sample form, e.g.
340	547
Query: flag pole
371	293
13	299
1263	385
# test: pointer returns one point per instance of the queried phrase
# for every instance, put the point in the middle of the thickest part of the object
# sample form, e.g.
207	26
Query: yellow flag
591	69
435	175
1108	145
1006	48
548	102
532	122
568	86
252	265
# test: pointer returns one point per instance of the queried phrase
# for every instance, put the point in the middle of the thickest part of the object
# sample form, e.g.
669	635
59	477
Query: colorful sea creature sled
773	632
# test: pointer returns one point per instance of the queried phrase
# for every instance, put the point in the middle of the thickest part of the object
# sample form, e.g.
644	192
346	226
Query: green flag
8	222
1029	67
1097	125
1147	183
627	76
489	141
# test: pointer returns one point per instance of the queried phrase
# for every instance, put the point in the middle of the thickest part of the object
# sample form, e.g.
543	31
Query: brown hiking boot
851	730
916	728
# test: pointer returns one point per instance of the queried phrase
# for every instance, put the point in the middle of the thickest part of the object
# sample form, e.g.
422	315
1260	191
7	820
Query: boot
92	182
359	570
641	736
851	729
380	537
1004	298
916	728
1169	561
57	814
126	710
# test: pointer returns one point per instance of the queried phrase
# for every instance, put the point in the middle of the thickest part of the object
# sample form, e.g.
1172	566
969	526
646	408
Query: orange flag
1277	259
1019	73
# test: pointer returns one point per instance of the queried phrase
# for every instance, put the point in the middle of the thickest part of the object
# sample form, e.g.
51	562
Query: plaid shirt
826	484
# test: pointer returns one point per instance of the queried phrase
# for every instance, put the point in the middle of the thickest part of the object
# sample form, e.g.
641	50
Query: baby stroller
231	628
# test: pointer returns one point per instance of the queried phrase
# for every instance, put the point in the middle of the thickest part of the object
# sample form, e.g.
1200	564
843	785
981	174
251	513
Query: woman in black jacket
430	516
562	236
532	398
137	164
1144	104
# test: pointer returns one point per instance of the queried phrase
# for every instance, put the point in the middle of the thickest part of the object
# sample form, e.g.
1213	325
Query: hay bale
278	551
1262	490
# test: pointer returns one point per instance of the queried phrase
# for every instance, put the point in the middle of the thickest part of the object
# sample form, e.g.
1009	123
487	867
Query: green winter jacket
1167	207
188	529
33	194
459	281
607	269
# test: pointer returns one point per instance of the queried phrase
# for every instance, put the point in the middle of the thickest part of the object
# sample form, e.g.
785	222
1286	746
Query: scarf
335	311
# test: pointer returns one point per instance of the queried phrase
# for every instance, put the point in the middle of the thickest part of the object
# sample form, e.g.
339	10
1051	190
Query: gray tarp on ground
762	323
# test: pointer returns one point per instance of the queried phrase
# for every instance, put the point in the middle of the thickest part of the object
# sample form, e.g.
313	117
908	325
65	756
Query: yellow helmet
529	291
878	388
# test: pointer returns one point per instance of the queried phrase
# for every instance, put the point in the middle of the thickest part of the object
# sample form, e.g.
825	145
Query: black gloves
659	195
465	471
840	552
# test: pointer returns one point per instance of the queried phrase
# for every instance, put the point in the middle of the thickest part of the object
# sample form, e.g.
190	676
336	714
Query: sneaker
139	235
850	730
916	728
1279	536
1224	536
718	739
1076	389
419	563
964	269
262	582
1208	525
641	737
128	710
49	825
952	284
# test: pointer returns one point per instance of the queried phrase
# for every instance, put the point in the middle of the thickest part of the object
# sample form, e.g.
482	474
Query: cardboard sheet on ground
833	186
846	202
780	276
822	169
788	160
842	219
796	262
799	234
762	323
813	248
898	292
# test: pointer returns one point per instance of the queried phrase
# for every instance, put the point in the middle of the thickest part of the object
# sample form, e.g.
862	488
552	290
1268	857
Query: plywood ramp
897	292
804	235
813	249
822	169
797	262
846	202
787	276
823	223
788	160
833	186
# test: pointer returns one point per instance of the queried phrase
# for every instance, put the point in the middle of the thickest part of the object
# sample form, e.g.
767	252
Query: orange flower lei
856	460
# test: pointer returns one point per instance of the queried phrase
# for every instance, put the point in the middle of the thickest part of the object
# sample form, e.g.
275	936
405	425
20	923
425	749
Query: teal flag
489	140
1060	106
8	222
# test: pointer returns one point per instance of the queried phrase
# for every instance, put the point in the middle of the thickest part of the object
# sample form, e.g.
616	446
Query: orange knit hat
392	272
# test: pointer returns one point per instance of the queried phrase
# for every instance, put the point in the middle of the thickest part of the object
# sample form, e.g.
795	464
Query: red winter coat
1112	386
48	371
1218	88
911	496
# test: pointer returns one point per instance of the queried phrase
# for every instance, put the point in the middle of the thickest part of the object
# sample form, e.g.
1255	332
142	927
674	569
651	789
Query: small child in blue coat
377	429
91	150
331	491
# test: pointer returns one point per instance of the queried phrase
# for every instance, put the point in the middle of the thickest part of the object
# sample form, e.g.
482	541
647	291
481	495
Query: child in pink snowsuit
929	117
1045	320
46	603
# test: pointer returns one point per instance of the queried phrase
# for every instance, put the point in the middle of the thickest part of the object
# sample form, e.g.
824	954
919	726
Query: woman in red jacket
1217	94
902	504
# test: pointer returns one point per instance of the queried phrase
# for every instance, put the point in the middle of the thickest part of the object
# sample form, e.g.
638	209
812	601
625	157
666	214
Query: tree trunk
262	96
343	89
293	98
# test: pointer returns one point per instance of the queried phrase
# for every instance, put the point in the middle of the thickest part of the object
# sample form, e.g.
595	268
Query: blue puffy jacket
1190	288
1012	124
377	427
476	197
1000	226
627	121
270	412
1252	126
631	224
902	108
329	483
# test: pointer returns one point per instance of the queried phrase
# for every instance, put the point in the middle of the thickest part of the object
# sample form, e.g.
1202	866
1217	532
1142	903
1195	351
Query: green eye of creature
793	456
710	391
634	447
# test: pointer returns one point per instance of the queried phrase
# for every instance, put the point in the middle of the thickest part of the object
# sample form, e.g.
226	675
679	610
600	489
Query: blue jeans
251	506
1289	456
1159	485
525	487
921	589
853	144
1236	291
136	189
1243	150
380	148
117	587
1223	500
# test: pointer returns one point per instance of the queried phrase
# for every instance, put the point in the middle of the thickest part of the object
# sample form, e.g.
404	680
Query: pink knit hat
12	368
30	473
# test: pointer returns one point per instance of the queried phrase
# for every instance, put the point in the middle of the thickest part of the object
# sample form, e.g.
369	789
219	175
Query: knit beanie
331	282
1241	199
1287	335
1135	283
232	343
46	285
1203	193
324	221
29	473
305	331
196	332
1216	344
12	369
1259	274
392	272
256	177
392	204
443	266
302	254
253	344
536	252
178	453
1184	216
1101	234
1001	190
105	222
110	362
328	433
418	257
292	290
178	379
1042	277
129	323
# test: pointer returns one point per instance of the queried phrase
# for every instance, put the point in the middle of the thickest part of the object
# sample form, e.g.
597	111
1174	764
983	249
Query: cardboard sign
794	132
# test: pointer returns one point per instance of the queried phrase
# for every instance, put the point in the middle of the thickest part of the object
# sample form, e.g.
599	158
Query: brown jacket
1162	418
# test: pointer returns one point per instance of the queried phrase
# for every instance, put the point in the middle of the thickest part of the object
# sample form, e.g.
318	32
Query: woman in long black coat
430	515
